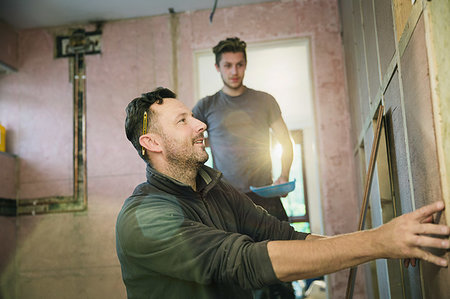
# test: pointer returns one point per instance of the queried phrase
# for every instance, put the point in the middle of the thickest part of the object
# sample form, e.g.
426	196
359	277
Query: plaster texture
42	130
419	120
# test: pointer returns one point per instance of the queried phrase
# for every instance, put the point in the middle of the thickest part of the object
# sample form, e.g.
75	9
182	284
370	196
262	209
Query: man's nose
200	126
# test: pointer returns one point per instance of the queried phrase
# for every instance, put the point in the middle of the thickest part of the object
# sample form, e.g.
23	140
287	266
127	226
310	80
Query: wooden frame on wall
367	187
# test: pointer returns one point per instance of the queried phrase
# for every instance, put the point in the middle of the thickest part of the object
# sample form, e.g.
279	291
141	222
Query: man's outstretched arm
403	237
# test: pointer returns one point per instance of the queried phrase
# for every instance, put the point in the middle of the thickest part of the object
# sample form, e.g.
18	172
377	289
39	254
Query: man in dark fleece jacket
186	233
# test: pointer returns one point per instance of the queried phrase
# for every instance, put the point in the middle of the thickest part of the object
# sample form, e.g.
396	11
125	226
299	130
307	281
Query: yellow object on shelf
2	138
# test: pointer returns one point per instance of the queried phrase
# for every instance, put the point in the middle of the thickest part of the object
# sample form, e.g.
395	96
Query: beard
231	86
184	155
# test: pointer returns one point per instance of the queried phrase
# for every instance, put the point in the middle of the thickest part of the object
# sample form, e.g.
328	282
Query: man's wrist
375	244
284	177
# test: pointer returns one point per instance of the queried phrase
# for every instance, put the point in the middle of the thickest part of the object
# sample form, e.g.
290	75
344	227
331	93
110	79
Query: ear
151	142
217	67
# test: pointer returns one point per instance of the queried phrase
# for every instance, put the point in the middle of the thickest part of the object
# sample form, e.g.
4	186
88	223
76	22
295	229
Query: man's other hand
281	180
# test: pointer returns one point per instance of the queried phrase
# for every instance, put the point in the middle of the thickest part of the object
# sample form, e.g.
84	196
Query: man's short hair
135	110
231	44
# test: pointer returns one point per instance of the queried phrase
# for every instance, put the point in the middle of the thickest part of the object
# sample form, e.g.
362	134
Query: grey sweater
174	242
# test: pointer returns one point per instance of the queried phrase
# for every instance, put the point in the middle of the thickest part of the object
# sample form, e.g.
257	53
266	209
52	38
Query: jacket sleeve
254	220
156	236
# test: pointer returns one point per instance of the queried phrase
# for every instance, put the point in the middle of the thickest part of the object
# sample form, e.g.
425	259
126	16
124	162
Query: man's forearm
286	161
316	256
406	236
281	133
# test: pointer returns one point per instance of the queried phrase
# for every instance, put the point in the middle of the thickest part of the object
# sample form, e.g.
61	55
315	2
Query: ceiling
23	14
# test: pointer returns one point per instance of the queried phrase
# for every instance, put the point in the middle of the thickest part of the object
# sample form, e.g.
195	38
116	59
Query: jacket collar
206	179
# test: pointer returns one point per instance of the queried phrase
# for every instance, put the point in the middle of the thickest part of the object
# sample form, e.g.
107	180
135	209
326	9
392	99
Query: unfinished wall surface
401	48
74	253
419	119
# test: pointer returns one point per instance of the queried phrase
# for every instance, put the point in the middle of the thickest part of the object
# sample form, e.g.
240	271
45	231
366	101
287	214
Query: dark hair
135	115
231	44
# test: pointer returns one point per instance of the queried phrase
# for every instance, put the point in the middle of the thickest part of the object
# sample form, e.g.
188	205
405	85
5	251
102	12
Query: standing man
239	121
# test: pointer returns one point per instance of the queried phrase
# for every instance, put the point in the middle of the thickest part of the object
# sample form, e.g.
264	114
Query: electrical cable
213	11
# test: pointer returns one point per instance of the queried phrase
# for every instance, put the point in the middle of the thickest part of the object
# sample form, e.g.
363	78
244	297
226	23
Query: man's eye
182	120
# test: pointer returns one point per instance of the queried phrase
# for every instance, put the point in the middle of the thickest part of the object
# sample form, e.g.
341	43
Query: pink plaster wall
44	133
36	104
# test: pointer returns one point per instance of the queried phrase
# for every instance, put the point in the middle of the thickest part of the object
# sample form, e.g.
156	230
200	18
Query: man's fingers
432	229
406	263
409	261
428	210
418	229
429	257
429	219
425	241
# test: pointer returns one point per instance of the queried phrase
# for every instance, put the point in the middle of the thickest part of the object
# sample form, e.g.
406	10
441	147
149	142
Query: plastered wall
74	253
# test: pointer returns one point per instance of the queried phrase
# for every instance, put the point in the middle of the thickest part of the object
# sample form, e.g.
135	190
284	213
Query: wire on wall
213	11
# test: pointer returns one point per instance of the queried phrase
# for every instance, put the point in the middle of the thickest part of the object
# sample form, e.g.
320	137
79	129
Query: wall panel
351	69
400	170
360	53
422	144
419	119
385	33
371	49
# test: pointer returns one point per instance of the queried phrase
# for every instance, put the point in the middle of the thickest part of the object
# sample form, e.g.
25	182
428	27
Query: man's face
181	135
232	69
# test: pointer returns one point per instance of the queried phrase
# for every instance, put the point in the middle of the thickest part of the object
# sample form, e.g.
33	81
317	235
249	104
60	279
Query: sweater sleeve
256	222
155	236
